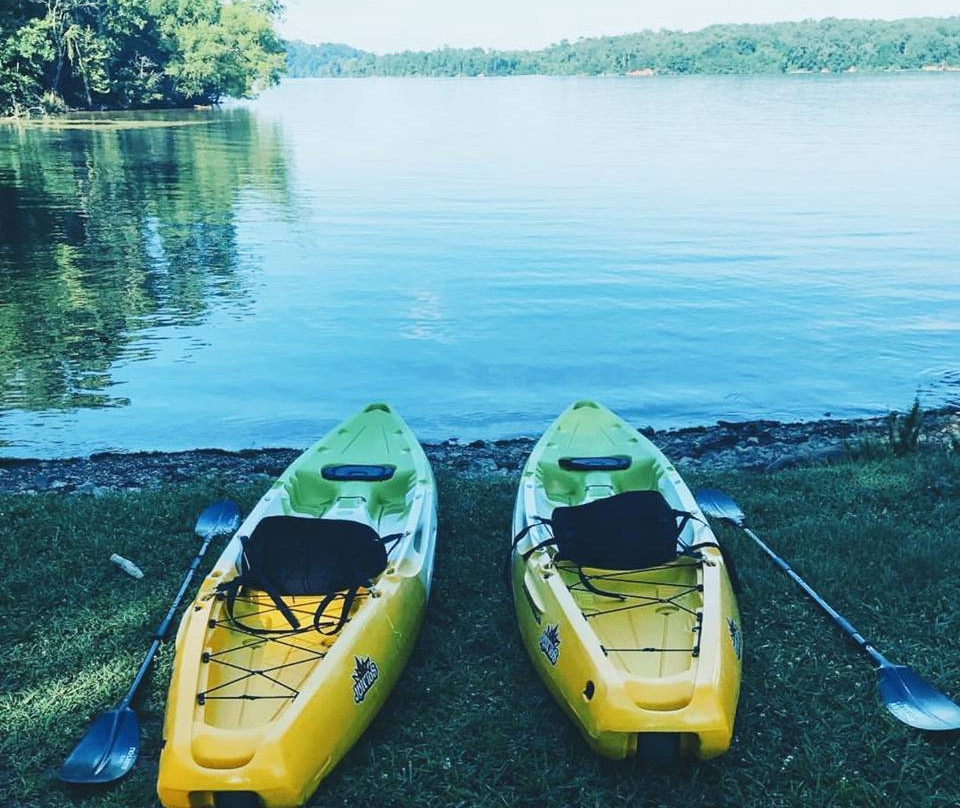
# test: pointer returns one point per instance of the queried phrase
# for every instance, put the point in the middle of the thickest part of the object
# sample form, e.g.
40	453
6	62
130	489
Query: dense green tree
825	45
134	53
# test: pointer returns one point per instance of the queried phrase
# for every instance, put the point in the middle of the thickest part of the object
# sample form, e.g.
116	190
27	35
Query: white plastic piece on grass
127	566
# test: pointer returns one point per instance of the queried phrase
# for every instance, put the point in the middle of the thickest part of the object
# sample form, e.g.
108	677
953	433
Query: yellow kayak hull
630	678
277	732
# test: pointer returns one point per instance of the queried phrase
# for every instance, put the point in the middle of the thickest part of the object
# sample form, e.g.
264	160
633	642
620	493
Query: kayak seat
628	531
296	555
633	530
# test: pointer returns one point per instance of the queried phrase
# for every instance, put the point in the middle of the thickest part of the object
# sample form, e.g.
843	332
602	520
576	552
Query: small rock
782	462
484	465
477	444
825	454
719	440
86	488
647	431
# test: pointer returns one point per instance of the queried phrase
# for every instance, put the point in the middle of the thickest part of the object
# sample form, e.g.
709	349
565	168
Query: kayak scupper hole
237	799
589	690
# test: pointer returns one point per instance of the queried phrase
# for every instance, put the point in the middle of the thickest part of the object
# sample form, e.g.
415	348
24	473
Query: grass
469	723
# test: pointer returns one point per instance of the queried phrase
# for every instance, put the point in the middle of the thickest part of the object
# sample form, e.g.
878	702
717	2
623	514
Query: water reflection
108	230
479	253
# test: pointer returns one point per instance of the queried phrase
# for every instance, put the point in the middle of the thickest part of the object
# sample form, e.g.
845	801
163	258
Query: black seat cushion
295	555
632	530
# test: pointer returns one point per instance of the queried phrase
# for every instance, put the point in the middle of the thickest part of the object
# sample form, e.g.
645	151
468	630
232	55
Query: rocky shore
752	445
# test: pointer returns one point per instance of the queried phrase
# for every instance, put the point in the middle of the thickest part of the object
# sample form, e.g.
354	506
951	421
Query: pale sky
392	25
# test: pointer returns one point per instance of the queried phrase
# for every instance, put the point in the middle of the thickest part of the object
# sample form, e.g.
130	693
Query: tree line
831	45
97	54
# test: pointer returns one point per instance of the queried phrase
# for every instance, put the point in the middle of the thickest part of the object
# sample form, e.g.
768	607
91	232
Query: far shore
66	118
747	445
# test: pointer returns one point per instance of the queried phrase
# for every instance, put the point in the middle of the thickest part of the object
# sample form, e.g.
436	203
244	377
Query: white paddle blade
718	505
916	702
218	518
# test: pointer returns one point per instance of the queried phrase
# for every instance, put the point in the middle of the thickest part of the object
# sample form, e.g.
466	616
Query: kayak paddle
912	700
110	747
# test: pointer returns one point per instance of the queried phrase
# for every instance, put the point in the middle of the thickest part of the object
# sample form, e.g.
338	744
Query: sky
390	25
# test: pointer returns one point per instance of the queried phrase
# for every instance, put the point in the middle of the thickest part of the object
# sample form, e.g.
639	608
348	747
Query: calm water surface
480	252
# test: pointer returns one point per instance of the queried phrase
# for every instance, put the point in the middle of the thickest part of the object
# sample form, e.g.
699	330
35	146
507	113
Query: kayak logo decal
735	637
550	643
365	675
129	757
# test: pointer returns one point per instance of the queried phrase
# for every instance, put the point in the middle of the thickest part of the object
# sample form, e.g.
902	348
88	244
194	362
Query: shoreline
759	445
67	118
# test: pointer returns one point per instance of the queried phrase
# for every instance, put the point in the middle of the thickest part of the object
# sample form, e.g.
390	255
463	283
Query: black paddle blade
914	701
107	752
718	505
217	519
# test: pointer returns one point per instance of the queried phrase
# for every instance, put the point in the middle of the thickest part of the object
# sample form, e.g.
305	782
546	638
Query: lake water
480	252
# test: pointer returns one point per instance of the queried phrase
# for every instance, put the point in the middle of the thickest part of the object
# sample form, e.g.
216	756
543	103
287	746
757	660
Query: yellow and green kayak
644	655
300	631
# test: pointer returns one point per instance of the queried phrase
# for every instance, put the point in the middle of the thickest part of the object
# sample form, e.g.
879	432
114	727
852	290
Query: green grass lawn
469	723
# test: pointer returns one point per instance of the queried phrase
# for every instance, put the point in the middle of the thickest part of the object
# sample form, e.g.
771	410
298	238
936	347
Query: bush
904	431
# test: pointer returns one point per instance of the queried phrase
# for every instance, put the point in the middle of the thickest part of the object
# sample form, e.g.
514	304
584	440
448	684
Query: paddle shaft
845	625
164	627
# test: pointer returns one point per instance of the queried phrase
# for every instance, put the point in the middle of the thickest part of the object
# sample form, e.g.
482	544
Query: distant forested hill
304	59
813	45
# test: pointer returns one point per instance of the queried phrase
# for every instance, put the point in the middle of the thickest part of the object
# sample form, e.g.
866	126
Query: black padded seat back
632	530
296	555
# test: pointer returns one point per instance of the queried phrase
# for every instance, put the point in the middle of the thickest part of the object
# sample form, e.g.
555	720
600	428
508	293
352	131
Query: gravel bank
753	445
